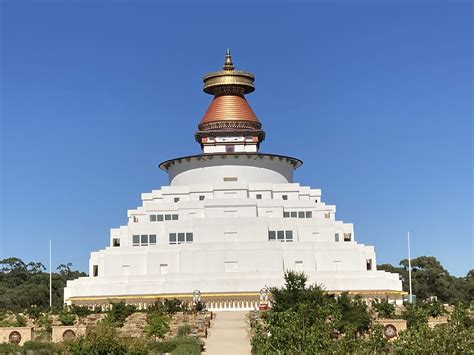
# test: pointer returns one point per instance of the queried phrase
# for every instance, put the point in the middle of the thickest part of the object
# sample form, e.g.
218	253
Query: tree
157	325
384	309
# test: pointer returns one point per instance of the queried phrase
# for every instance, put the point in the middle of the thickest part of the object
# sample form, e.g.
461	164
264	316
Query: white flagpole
409	268
50	279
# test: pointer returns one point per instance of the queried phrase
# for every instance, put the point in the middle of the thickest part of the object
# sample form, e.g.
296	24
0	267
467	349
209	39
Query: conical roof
229	109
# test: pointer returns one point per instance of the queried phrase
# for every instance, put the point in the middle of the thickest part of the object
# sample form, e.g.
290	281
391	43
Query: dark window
172	238
95	270
271	235
316	201
293	215
301	214
153	218
136	240
159	218
286	214
180	238
152	239
336	237
309	214
285	197
289	236
280	236
189	237
176	199
229	148
167	217
230	178
144	239
368	263
174	217
116	242
347	237
202	197
259	196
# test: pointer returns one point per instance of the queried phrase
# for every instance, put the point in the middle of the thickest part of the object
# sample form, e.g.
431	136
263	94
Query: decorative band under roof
228	90
230	125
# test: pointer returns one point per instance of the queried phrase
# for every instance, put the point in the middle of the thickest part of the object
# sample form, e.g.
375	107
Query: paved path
228	335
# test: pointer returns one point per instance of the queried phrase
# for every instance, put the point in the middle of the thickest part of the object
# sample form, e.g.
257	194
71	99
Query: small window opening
368	263
347	237
259	196
336	237
116	242
95	270
176	199
285	197
202	197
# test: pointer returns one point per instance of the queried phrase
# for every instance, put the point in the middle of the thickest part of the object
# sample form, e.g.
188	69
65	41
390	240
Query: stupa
229	224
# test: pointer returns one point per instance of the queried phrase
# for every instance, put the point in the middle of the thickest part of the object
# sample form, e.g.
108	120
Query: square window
286	214
280	236
189	237
116	242
202	197
327	215
152	239
153	218
174	217
167	217
347	237
293	214
271	235
176	199
301	214
229	148
336	237
289	236
285	197
136	240
159	218
259	196
144	239
172	238
180	238
309	214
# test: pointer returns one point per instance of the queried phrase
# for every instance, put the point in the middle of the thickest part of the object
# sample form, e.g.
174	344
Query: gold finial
228	65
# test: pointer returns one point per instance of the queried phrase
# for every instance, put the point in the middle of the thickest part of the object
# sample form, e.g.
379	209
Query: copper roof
229	108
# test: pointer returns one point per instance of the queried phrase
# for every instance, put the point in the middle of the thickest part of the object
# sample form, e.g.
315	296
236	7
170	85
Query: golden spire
228	65
229	80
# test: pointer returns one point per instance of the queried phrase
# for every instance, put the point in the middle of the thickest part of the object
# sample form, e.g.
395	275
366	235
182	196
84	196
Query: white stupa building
231	221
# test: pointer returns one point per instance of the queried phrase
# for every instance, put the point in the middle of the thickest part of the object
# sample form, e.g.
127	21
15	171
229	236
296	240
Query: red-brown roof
229	108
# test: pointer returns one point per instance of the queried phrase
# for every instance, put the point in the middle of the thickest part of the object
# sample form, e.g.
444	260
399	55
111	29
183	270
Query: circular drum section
239	167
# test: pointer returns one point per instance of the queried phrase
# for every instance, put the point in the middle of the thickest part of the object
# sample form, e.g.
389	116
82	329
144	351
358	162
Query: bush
80	311
157	325
40	347
384	309
6	348
174	305
119	312
66	318
199	306
20	321
184	330
178	345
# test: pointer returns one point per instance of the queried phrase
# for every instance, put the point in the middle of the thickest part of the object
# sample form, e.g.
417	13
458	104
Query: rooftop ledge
293	161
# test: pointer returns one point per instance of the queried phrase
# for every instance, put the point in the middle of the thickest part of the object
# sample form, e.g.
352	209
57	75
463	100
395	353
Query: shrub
173	306
184	330
384	309
20	321
66	318
157	325
6	348
119	312
40	347
199	306
80	311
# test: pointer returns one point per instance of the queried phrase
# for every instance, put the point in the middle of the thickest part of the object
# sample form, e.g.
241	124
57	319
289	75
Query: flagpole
50	279
409	268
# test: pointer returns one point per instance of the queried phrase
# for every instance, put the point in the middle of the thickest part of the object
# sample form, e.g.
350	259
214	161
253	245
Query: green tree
157	325
384	309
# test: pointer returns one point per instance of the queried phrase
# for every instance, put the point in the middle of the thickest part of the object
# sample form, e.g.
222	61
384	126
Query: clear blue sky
375	99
